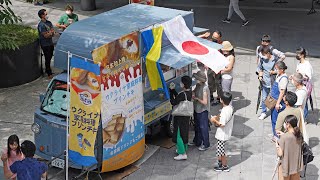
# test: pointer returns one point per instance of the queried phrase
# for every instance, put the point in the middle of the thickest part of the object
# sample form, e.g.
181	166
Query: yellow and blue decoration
152	40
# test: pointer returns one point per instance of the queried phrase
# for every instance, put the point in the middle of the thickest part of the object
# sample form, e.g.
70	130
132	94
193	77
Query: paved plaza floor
251	154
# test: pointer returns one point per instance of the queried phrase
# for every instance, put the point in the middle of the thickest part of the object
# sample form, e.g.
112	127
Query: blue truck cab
81	38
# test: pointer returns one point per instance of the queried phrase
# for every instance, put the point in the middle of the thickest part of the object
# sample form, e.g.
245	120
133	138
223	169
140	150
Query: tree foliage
7	16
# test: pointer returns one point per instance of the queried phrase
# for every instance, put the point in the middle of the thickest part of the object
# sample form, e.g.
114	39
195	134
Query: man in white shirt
224	121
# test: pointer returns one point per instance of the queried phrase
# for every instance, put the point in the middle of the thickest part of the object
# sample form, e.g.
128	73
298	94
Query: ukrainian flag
152	41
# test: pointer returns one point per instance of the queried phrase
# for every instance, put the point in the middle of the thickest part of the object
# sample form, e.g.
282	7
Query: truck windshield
55	100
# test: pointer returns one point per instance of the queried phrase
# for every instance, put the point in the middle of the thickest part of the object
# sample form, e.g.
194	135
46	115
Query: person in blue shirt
266	73
27	169
46	32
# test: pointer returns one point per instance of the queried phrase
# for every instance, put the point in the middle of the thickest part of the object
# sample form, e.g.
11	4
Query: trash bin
88	5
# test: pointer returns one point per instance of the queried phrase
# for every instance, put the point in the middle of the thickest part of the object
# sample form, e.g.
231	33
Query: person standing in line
304	67
227	78
265	71
289	149
224	121
201	101
266	42
181	123
46	32
290	100
301	90
234	6
277	92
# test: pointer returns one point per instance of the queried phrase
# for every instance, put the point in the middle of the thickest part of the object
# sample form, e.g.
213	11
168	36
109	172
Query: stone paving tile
144	173
206	172
251	163
165	172
187	171
251	174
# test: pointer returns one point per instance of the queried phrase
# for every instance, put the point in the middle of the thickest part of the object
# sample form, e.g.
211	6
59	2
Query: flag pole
68	115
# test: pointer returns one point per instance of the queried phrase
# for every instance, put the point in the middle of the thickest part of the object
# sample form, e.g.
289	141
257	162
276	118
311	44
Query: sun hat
226	46
201	76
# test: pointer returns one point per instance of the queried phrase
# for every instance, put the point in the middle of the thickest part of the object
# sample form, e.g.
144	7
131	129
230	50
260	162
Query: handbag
184	108
270	102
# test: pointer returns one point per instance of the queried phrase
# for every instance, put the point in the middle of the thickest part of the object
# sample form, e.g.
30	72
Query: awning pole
68	115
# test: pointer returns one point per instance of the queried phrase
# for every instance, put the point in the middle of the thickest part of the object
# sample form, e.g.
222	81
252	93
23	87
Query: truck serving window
55	100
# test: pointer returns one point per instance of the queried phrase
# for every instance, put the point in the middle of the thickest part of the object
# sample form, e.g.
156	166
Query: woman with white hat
227	78
201	102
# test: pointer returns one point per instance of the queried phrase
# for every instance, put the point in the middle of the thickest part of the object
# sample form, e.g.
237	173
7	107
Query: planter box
88	5
20	66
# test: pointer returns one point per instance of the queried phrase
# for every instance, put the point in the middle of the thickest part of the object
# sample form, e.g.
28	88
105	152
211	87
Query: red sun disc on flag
195	48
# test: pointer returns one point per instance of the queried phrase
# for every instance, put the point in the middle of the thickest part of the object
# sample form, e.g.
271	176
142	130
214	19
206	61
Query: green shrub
13	36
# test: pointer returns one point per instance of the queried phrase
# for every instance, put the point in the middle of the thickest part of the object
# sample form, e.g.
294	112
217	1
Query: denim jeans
201	129
265	92
305	113
274	117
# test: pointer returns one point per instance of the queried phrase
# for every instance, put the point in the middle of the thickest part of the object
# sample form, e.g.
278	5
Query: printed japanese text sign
122	107
85	103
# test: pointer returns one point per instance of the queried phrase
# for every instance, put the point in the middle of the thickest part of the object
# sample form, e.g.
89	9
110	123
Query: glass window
168	72
182	70
55	101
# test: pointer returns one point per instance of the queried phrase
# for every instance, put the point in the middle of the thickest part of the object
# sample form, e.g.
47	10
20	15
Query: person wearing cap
68	18
201	102
301	90
266	42
181	123
27	169
227	78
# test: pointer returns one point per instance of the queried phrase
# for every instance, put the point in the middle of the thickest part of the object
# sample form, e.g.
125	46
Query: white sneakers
181	157
262	116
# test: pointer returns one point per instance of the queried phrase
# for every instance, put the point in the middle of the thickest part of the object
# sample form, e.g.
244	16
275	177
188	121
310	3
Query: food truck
103	97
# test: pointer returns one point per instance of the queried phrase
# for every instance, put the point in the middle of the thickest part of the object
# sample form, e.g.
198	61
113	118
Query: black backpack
306	153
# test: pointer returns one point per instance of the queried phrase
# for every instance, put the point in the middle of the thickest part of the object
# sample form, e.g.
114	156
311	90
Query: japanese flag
187	44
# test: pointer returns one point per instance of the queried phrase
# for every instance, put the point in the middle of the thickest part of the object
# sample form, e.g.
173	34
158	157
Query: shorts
220	148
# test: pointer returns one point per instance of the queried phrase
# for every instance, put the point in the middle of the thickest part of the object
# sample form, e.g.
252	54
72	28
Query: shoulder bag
184	108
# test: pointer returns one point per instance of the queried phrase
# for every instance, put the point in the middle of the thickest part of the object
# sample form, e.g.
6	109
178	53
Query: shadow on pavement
312	172
313	142
313	116
239	101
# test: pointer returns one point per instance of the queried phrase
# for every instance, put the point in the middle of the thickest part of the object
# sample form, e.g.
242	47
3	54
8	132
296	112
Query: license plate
59	163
